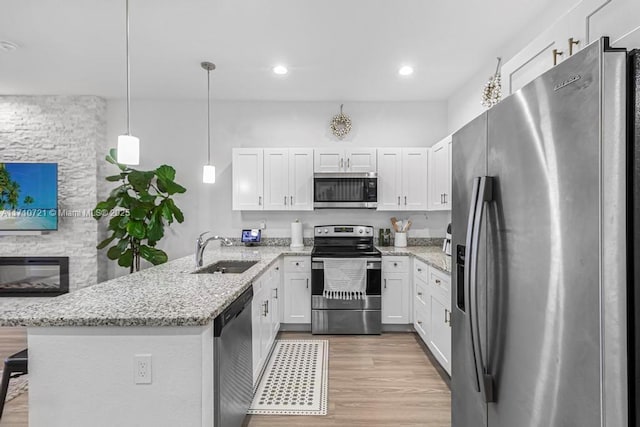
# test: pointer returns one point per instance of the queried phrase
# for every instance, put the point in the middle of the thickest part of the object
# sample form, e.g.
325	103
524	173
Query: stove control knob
319	231
326	230
368	230
361	231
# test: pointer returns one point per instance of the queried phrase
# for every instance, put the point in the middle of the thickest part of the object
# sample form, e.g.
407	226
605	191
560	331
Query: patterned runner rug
295	380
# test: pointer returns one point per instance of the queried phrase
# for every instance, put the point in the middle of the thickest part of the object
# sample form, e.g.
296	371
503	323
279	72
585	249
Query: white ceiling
335	49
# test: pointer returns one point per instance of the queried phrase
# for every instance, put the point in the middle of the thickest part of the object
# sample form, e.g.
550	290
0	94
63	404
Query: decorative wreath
492	90
340	124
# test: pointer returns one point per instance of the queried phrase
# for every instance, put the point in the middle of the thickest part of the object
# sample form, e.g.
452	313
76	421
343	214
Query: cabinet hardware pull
405	200
259	200
307	283
437	281
285	200
419	322
267	301
297	263
395	264
277	268
348	163
441	202
276	289
291	197
572	42
398	200
445	315
264	309
385	283
445	198
419	270
556	53
341	163
419	294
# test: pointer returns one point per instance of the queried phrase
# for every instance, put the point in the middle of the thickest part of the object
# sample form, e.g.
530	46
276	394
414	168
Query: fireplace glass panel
33	276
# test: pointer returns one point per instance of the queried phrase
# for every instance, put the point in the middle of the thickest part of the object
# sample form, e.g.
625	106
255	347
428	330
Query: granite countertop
165	295
432	255
168	295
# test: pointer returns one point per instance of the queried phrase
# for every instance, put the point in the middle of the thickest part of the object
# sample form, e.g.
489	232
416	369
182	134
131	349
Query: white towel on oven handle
345	279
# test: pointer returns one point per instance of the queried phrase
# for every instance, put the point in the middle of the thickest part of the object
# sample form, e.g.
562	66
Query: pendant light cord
208	117
128	77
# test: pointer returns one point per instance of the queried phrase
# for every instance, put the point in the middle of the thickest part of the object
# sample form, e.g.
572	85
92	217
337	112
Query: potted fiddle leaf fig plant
138	209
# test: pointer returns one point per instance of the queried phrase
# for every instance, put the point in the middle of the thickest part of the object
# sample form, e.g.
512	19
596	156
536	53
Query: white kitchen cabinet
586	22
440	330
297	290
345	160
440	175
288	179
432	310
247	179
265	319
396	290
402	179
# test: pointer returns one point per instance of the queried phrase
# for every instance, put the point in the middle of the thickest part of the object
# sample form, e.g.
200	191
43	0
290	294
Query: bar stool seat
14	367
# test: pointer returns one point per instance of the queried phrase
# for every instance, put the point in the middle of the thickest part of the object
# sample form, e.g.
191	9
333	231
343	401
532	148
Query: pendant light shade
209	171
209	174
128	151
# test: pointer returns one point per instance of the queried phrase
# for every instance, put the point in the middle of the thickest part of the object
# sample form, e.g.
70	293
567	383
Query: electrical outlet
142	369
263	224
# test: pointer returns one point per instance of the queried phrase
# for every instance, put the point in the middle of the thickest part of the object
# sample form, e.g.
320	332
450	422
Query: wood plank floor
15	412
382	380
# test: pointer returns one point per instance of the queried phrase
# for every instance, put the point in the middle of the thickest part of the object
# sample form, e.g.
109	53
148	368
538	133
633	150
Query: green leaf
153	255
120	233
118	192
114	223
176	211
126	259
155	228
105	242
123	244
138	213
111	158
170	187
114	178
166	211
166	173
136	229
147	198
123	221
102	208
140	181
114	253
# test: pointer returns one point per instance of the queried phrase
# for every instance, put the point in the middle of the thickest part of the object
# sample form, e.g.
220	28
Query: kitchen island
82	345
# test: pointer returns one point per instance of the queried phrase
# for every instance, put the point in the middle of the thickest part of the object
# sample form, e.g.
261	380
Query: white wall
174	132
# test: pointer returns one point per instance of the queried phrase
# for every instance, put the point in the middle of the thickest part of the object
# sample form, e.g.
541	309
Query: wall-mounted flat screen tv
28	196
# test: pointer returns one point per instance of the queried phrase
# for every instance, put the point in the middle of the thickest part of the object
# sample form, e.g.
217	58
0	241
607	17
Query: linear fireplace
34	276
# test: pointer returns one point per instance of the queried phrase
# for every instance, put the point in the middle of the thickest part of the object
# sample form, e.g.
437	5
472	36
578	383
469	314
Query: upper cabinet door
360	160
440	175
247	179
276	179
389	179
414	179
329	160
301	179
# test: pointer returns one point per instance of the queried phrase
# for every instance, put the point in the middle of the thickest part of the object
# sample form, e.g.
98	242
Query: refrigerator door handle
470	248
485	194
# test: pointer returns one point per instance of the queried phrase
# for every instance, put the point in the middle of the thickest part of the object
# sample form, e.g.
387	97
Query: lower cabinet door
256	335
395	298
440	333
297	297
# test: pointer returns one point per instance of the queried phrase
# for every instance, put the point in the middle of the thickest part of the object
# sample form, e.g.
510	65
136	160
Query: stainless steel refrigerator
542	220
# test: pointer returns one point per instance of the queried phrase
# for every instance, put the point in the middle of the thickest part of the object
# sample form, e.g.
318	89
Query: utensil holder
400	240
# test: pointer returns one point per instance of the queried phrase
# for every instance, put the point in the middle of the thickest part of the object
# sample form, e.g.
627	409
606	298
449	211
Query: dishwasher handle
232	311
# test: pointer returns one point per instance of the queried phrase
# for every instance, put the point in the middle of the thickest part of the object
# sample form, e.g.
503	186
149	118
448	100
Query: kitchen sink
226	267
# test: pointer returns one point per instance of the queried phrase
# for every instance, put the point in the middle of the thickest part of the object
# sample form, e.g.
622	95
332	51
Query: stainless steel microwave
345	190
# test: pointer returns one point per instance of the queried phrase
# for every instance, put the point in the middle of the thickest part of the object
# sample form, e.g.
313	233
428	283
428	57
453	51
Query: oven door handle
372	264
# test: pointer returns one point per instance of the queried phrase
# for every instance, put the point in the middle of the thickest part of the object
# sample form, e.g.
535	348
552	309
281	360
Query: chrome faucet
201	243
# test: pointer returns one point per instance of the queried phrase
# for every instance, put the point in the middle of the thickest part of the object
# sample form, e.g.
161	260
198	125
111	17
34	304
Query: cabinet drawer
440	281
297	264
421	296
396	264
420	323
420	270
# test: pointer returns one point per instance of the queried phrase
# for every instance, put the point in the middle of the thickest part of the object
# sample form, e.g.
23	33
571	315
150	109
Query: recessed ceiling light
7	46
280	70
405	70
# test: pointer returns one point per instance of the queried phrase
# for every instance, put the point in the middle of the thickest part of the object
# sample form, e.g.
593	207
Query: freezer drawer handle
484	195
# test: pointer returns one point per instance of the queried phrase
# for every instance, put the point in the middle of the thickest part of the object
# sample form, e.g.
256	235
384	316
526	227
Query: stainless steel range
346	277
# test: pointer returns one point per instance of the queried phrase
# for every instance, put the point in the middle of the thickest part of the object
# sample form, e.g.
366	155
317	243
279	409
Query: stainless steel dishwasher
233	372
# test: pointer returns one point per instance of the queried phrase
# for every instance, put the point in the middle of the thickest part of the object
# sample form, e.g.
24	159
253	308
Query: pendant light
209	171
128	145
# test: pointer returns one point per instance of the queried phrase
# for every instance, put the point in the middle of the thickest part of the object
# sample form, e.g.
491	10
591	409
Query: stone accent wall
66	130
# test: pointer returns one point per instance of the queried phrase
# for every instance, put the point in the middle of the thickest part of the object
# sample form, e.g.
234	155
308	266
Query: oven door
371	302
345	190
